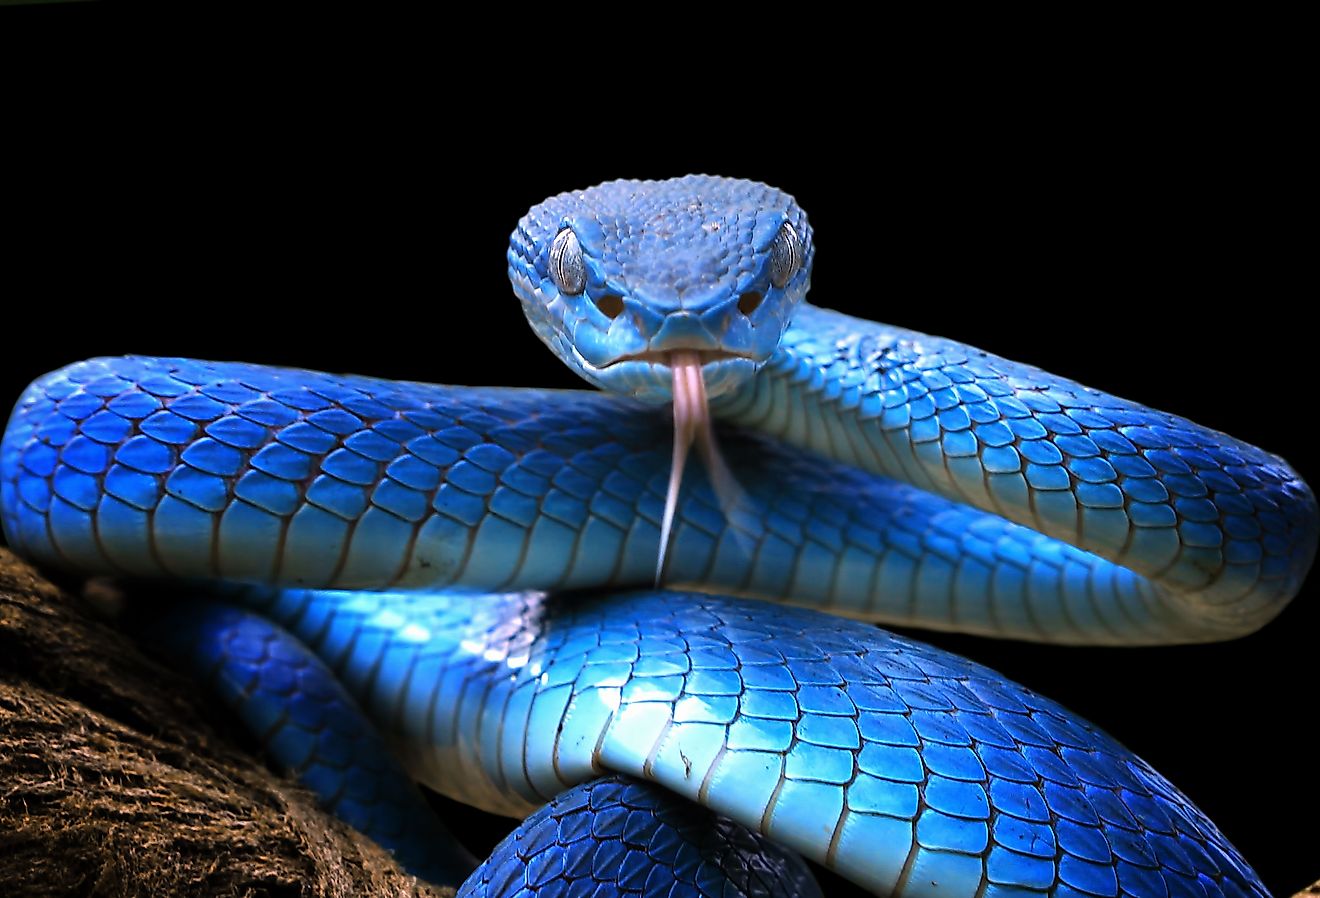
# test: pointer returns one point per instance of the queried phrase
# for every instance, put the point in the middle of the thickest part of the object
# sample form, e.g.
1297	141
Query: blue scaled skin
613	837
886	475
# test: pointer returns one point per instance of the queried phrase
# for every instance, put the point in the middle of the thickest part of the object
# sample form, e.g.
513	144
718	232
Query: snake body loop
882	474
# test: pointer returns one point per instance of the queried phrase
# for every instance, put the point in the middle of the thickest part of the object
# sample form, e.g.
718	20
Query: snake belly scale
475	567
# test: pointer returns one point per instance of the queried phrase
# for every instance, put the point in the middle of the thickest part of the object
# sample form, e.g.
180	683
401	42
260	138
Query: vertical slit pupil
748	302
611	304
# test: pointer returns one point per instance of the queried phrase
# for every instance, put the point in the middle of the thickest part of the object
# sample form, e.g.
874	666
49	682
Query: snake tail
306	723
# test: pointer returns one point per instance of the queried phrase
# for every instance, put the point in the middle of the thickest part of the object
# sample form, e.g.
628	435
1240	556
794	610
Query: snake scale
475	567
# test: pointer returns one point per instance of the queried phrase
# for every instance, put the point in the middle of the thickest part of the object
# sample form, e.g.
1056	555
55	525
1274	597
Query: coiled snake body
874	472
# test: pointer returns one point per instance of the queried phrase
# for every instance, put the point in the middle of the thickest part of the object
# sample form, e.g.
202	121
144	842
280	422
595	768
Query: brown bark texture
114	783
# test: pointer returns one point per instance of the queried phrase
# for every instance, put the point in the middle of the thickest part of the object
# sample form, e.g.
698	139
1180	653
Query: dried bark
113	782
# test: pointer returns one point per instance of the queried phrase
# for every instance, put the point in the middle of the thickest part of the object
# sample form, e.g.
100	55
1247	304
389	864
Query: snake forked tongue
692	422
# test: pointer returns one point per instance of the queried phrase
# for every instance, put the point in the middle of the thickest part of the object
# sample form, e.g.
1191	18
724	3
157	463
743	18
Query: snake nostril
611	304
749	301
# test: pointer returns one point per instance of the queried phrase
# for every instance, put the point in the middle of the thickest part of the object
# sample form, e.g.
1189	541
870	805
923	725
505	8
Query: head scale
617	278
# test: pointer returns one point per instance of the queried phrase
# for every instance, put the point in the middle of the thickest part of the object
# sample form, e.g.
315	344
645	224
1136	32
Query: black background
1138	234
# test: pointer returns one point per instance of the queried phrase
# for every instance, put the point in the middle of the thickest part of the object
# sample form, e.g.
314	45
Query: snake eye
567	269
785	255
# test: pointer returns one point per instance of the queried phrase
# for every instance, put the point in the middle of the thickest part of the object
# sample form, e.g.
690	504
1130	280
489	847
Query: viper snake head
675	290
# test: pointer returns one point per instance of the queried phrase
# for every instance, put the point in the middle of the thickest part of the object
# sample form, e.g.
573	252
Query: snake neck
1184	508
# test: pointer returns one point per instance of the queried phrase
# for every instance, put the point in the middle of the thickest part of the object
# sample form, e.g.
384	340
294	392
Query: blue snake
473	568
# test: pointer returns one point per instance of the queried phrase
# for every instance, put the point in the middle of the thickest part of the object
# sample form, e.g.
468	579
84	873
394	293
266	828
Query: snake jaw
649	377
668	357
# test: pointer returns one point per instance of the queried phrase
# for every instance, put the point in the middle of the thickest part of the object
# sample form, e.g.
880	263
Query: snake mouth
649	376
666	357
